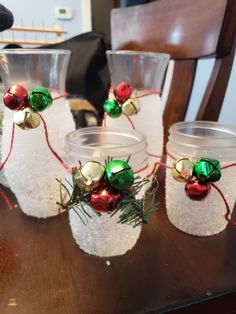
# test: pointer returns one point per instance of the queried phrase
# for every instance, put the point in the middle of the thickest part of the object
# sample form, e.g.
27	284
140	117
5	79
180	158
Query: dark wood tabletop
43	271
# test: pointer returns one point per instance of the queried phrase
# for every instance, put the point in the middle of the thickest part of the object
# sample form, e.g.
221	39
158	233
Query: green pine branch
131	210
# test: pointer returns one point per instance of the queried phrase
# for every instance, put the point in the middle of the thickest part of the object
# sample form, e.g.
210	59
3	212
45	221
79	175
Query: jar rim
138	52
24	51
228	129
72	137
203	139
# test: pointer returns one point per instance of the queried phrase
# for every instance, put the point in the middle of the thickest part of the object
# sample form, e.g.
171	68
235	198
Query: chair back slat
180	92
183	28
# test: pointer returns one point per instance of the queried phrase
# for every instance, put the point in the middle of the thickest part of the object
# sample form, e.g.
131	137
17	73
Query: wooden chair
188	30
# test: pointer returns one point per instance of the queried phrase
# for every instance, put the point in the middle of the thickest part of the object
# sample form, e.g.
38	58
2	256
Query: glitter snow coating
103	236
31	170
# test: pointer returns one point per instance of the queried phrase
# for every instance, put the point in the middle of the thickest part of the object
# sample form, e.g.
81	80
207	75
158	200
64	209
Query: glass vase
145	72
201	139
3	180
102	235
32	169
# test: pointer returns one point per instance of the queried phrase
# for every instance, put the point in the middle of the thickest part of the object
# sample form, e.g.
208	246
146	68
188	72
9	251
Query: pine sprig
76	198
131	210
133	213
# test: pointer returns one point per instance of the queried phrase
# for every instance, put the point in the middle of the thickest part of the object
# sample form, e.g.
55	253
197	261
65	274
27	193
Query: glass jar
32	169
102	235
3	180
197	140
145	72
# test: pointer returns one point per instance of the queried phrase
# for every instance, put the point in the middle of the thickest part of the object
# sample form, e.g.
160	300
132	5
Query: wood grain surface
43	271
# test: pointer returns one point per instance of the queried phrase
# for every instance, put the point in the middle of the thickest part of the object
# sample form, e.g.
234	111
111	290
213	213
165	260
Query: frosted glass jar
103	236
195	140
31	170
3	180
145	72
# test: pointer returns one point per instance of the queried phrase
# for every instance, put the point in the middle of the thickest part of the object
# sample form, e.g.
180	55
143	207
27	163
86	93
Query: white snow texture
32	169
103	236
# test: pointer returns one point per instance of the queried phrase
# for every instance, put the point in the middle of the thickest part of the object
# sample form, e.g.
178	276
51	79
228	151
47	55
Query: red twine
6	200
228	211
61	96
150	92
141	169
10	149
50	147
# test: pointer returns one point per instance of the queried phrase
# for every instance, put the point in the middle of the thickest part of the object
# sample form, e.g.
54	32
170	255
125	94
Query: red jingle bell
196	190
123	92
104	200
16	98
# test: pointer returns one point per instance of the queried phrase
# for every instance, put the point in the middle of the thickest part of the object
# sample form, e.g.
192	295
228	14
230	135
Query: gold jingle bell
182	169
131	107
89	175
26	119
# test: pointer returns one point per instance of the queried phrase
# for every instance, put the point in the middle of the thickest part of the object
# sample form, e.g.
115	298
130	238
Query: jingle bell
182	169
40	98
112	108
89	175
27	119
104	200
207	170
196	190
131	107
119	175
16	97
123	92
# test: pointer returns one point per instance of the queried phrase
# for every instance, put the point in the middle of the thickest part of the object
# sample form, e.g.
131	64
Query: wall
42	13
101	10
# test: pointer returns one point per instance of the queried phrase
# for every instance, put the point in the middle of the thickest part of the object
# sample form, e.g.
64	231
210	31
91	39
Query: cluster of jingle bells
27	105
122	102
105	184
197	176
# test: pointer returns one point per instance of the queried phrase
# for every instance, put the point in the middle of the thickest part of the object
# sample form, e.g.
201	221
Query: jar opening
204	129
99	143
203	139
24	51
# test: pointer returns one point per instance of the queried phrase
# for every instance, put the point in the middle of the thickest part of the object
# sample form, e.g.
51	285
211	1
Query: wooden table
42	270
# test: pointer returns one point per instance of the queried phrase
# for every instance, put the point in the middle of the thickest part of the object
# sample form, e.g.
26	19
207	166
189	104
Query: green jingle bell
89	175
40	98
207	170
112	108
119	175
131	107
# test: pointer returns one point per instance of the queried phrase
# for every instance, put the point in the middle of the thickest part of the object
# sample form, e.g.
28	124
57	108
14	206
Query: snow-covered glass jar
145	73
102	235
32	169
201	139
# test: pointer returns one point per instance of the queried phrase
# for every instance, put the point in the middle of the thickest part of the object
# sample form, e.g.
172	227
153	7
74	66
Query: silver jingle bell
26	119
131	107
89	175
